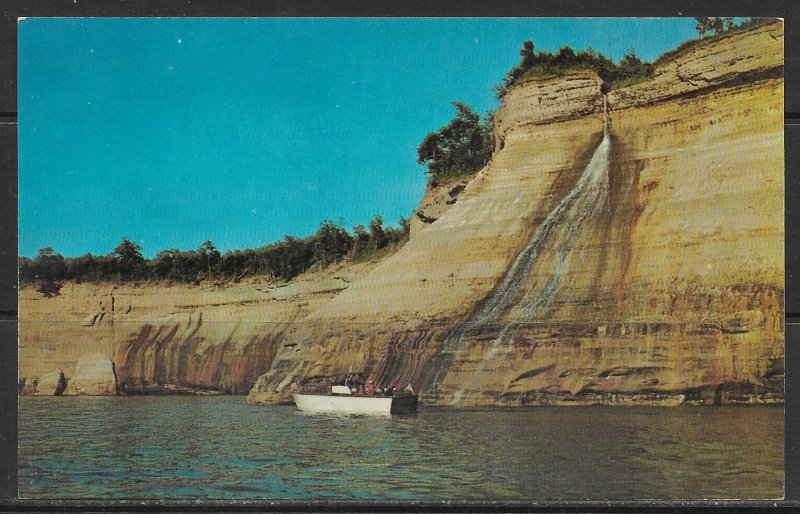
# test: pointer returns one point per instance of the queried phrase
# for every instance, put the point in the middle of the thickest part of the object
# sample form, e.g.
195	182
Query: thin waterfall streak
561	229
565	251
480	367
567	214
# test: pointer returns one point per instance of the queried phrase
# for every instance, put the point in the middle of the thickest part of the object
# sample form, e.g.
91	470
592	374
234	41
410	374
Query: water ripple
221	448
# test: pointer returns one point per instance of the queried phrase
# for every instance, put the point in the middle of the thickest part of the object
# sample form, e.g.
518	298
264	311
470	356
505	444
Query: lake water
222	448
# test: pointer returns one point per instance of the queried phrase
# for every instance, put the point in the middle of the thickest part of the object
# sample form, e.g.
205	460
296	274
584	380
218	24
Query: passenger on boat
371	388
358	383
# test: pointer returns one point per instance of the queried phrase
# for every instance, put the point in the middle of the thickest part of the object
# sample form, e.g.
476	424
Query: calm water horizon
168	447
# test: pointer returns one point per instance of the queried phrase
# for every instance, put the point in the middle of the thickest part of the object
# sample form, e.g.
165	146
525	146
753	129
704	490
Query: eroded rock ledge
541	101
732	59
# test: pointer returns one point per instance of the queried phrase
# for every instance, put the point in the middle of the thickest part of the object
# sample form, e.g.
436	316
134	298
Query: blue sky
174	131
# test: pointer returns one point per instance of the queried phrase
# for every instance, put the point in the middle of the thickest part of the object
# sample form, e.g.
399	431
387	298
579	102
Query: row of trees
49	267
282	260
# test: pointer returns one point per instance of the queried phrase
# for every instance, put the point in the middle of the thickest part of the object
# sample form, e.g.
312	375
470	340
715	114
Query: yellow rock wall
452	263
179	338
674	293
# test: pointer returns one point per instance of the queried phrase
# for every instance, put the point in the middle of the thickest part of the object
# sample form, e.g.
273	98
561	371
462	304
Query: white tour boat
346	394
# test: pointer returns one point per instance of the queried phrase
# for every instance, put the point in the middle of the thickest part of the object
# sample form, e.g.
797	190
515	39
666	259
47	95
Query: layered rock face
653	275
743	57
437	199
452	263
171	339
665	287
395	319
223	344
674	292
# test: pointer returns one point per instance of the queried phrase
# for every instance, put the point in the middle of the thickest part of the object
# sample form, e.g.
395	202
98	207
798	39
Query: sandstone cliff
659	282
672	292
171	339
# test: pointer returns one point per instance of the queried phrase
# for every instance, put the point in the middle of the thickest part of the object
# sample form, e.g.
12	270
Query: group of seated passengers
357	385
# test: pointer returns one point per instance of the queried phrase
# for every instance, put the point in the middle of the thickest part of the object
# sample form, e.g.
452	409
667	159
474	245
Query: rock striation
437	199
539	102
173	339
733	58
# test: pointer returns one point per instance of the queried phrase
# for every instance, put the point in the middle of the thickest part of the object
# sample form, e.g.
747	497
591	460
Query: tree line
282	260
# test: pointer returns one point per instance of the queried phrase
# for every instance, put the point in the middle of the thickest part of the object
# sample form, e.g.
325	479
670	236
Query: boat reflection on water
352	393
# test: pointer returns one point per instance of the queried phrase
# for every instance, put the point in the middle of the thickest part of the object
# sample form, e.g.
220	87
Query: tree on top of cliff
631	69
718	25
45	270
331	243
703	25
127	250
210	254
461	147
545	63
51	265
128	258
377	236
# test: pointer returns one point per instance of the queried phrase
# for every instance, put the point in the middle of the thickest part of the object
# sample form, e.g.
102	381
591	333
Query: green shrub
461	147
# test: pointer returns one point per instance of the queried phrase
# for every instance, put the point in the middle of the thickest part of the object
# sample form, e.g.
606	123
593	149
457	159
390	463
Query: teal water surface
222	448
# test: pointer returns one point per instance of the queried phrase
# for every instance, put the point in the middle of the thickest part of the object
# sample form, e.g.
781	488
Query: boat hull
355	404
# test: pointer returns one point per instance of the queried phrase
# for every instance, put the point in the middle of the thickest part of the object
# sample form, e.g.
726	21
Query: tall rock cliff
658	279
633	260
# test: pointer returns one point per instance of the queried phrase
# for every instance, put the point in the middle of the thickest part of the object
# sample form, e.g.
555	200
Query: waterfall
558	233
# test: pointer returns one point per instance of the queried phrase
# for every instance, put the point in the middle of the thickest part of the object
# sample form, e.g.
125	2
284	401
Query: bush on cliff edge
461	147
548	64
